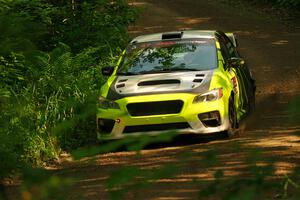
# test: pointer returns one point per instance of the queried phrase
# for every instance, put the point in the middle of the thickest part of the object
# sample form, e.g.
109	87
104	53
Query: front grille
155	108
156	127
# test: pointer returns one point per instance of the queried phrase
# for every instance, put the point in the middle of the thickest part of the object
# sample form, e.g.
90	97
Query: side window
224	50
227	48
230	47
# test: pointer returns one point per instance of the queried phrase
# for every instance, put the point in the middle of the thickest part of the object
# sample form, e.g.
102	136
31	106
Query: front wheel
232	116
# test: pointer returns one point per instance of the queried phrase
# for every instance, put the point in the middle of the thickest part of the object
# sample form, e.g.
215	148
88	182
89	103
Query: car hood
160	83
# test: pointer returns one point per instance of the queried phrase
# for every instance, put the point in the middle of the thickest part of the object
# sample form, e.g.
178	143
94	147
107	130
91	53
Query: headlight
106	104
209	96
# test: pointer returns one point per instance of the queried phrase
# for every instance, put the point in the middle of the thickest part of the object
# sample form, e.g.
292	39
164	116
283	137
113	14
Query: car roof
189	34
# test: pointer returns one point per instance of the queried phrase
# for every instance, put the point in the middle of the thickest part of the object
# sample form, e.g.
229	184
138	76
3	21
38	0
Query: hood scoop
121	83
199	78
200	75
158	82
162	83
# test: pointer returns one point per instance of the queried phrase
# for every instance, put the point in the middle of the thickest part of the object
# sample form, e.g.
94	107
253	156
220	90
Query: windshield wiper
155	71
183	69
167	70
126	73
164	70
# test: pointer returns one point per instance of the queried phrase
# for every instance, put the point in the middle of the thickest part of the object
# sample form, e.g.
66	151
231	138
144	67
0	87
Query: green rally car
189	81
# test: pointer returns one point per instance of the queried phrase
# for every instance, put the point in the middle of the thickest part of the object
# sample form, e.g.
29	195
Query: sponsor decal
234	84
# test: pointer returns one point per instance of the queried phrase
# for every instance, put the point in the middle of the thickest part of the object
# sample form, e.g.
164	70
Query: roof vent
172	35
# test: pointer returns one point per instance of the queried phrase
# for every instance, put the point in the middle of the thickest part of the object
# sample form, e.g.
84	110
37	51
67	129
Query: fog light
105	126
210	119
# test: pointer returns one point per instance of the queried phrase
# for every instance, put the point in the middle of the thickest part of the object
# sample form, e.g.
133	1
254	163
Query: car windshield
167	56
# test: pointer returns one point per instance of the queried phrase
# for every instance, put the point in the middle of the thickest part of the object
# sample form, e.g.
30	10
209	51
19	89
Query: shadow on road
182	140
188	139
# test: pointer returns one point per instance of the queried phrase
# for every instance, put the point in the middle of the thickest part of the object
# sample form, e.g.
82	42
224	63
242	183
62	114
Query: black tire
232	115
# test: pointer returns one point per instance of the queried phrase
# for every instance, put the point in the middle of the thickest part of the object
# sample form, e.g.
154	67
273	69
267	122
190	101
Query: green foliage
248	186
50	60
42	24
38	185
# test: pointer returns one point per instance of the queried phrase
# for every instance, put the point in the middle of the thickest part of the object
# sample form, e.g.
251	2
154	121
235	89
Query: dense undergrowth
50	59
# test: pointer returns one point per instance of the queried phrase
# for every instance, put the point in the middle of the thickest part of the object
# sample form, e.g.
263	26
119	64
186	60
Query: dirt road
271	50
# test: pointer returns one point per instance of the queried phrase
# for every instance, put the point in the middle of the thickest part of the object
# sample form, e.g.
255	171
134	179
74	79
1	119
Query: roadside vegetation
51	56
50	61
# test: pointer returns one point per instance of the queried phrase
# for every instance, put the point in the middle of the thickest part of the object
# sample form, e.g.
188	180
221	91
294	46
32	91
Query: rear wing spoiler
232	38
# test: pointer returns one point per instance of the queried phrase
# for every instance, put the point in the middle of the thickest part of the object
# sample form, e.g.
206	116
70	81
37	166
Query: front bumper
117	123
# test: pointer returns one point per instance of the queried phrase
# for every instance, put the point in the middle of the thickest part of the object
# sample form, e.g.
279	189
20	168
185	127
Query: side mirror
233	39
107	71
234	61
